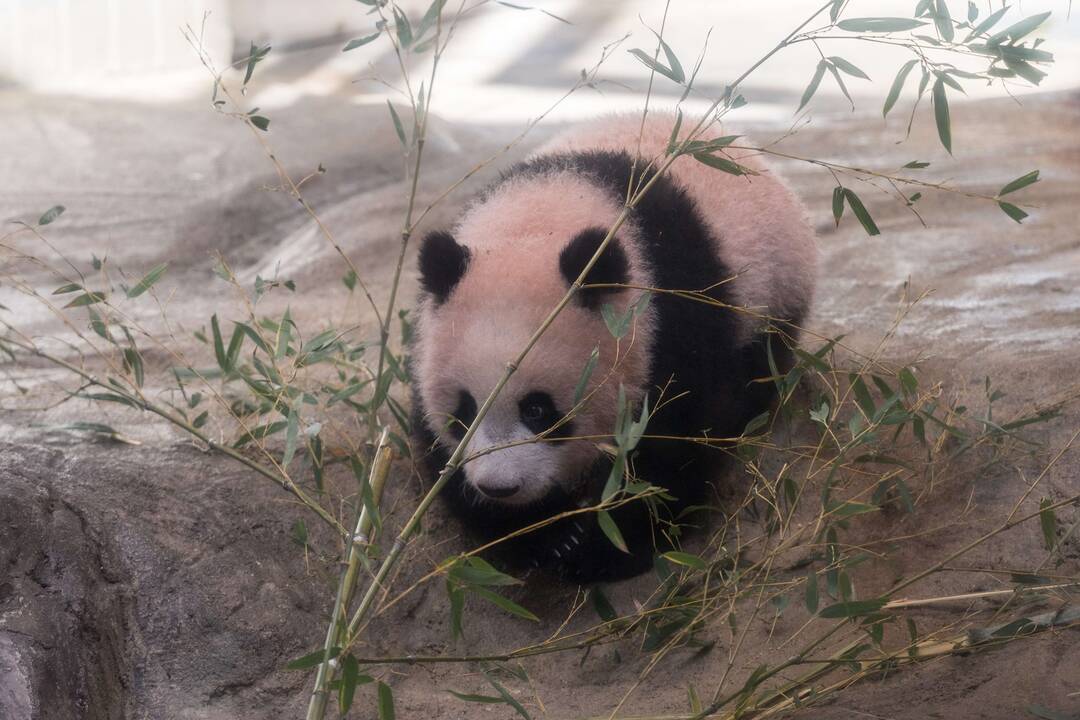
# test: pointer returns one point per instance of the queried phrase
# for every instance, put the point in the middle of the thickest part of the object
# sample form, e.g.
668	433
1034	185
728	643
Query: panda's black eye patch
463	414
538	413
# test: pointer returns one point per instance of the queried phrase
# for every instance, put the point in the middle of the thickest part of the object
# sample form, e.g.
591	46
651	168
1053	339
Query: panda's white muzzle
516	475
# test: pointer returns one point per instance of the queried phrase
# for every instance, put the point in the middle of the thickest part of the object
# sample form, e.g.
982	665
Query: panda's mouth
498	492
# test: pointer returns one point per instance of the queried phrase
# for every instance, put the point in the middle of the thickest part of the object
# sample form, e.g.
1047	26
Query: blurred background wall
506	65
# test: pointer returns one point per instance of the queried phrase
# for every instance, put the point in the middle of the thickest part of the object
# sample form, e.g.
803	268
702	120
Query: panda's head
487	286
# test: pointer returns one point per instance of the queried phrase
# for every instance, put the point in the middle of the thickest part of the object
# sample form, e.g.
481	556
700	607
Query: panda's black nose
497	491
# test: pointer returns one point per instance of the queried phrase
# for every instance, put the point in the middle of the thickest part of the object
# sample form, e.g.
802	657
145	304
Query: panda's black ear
611	267
443	263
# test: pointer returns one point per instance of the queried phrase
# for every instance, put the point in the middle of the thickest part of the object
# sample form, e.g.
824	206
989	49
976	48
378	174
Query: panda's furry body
742	242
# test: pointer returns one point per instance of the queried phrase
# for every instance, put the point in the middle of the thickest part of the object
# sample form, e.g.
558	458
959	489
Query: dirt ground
158	581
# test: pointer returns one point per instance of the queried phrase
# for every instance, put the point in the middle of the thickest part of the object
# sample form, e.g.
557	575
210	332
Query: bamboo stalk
897	604
380	470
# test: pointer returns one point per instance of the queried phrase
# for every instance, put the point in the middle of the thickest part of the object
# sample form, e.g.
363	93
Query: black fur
693	353
610	268
442	264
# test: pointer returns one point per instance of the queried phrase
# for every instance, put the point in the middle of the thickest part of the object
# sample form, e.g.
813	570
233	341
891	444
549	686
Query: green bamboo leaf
398	127
87	298
359	42
403	28
65	289
843	86
1018	30
861	212
386	702
897	86
815	81
51	214
1021	182
350	672
943	21
260	432
505	603
219	345
255	56
847	67
515	6
655	65
311	659
677	72
255	338
1012	211
1048	522
477	571
851	509
812	360
604	609
862	396
722	163
348	391
708	146
1045	713
756	423
367	497
148	279
292	431
235	343
617	325
133	363
941	114
110	397
430	19
586	373
681	558
879	24
1024	70
261	122
838	203
607	524
973	12
469	697
852	608
506	696
988	23
457	606
674	137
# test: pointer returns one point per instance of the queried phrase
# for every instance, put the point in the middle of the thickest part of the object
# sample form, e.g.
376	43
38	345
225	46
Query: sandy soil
160	582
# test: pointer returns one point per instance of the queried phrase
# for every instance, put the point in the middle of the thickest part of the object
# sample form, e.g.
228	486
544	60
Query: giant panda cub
490	281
